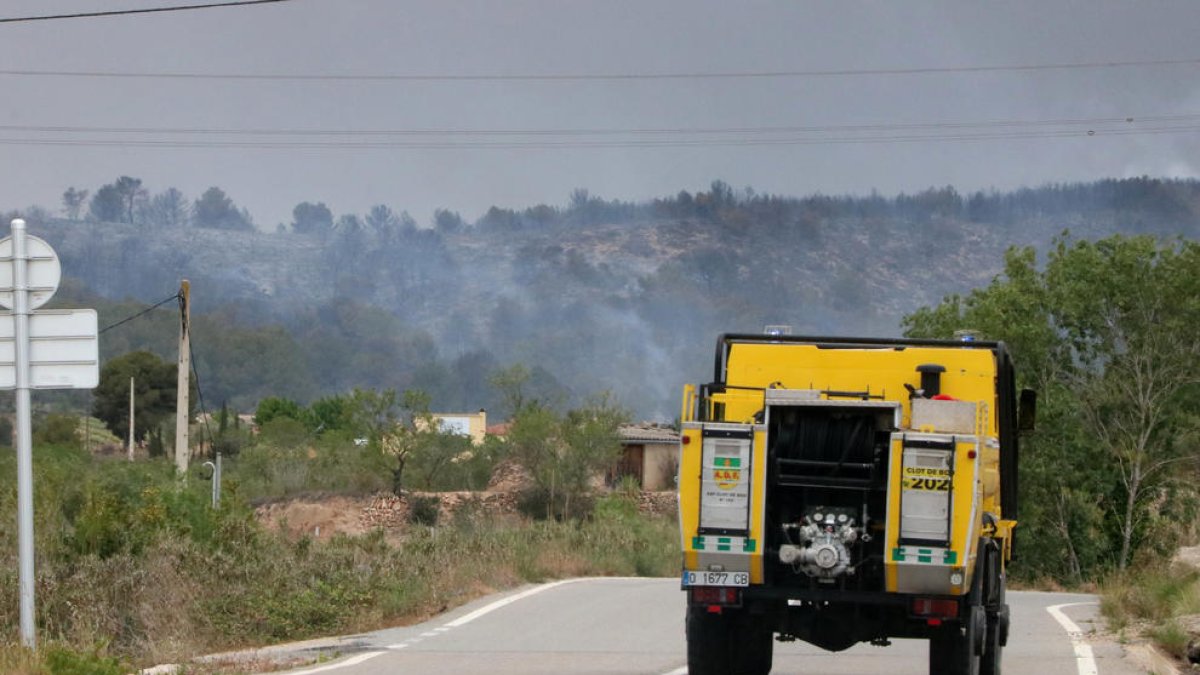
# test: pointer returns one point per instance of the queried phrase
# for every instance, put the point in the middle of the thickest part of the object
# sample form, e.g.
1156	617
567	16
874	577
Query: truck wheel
754	645
729	643
997	615
996	637
992	650
709	642
952	650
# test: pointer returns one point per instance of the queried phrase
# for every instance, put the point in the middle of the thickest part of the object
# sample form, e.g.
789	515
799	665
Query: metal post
217	484
216	481
24	436
131	419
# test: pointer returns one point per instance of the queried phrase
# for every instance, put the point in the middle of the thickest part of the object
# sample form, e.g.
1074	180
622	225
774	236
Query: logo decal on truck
727	472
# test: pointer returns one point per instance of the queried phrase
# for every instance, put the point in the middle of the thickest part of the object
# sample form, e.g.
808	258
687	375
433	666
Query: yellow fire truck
846	490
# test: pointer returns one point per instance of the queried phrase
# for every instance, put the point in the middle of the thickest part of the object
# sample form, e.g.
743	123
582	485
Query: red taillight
934	608
686	440
716	595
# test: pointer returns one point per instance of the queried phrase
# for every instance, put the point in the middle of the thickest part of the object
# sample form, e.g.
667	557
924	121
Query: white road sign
44	271
64	351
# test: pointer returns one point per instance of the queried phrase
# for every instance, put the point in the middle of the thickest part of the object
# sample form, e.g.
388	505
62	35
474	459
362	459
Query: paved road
635	626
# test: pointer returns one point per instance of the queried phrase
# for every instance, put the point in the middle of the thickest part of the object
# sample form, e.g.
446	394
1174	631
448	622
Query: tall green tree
1106	332
72	201
275	407
215	210
168	208
154	386
309	218
564	453
106	205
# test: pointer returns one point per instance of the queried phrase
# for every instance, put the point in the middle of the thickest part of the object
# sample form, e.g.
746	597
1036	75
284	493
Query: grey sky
315	37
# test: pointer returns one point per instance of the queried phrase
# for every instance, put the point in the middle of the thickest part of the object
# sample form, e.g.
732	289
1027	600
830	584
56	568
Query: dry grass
1154	602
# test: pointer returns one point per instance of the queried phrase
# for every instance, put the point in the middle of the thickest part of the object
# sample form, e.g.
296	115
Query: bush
539	503
57	429
424	510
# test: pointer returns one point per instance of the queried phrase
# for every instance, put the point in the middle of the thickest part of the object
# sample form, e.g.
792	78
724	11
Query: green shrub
58	429
540	503
65	661
423	510
1171	637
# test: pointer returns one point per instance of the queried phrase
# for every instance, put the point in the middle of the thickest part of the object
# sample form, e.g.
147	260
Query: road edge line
1085	660
502	602
352	661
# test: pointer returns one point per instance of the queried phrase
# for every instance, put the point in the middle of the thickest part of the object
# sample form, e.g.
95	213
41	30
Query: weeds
136	562
1153	599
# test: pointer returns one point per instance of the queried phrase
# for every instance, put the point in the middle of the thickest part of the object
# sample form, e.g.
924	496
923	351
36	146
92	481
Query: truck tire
754	647
709	642
952	650
992	649
730	643
997	614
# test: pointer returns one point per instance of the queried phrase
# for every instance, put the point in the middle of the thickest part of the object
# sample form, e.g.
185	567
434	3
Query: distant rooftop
647	433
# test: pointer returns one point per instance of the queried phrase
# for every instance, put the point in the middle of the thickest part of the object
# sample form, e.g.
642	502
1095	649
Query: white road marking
460	621
1084	659
488	609
353	660
677	671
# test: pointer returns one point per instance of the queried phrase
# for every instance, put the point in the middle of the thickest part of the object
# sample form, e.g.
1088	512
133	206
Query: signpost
55	349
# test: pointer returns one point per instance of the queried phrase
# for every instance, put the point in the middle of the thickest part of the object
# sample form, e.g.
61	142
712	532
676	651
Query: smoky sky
356	37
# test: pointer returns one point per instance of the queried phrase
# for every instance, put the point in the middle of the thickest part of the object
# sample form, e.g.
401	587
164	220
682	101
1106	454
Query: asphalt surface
635	626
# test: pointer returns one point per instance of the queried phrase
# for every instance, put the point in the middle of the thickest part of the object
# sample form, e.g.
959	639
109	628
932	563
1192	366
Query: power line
199	390
569	131
139	314
148	10
585	77
588	144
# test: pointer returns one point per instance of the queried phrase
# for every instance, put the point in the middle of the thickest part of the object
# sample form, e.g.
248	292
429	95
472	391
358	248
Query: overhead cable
584	77
611	131
144	312
549	144
146	10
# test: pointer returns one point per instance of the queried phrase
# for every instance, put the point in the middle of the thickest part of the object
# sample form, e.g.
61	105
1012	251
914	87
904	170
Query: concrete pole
24	435
183	380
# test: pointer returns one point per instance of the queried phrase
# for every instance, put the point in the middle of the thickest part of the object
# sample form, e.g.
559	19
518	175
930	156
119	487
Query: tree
382	222
72	201
351	241
275	407
118	201
564	453
168	208
215	210
309	218
330	413
130	190
377	413
106	205
154	393
447	222
1106	332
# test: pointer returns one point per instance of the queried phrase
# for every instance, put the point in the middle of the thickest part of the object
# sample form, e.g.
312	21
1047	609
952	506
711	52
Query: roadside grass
135	568
1151	601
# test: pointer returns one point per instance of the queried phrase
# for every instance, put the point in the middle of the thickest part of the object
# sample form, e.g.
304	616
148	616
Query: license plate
716	578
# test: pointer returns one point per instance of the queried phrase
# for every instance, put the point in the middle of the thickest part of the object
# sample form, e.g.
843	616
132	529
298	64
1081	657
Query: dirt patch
1188	556
319	517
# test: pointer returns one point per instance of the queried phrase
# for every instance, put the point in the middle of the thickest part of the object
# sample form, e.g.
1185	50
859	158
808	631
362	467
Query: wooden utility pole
183	379
131	419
